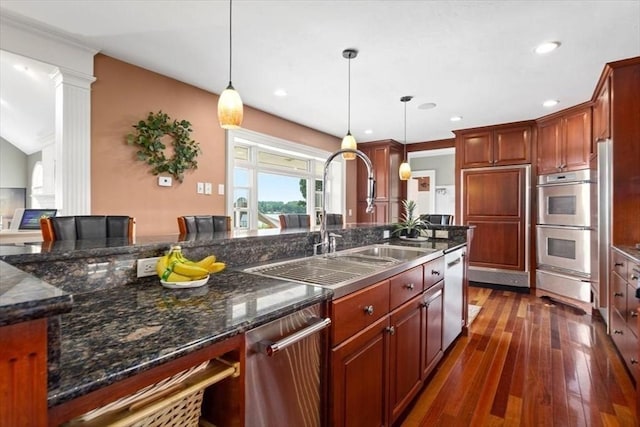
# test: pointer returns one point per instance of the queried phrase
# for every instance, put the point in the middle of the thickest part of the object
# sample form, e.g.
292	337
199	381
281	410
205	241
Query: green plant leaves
151	148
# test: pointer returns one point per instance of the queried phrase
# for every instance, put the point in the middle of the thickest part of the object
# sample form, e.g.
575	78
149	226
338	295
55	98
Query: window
271	176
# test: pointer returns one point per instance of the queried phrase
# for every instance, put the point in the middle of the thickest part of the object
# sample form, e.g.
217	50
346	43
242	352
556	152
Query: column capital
72	77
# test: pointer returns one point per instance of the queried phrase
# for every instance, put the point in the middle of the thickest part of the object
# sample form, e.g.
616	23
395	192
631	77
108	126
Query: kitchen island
123	328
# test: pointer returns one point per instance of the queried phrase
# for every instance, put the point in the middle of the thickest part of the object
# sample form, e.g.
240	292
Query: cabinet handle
368	310
633	313
618	294
634	362
618	264
391	330
617	332
634	277
435	273
409	286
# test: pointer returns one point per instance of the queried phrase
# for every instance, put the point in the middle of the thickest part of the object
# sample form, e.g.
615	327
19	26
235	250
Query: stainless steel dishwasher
284	369
453	296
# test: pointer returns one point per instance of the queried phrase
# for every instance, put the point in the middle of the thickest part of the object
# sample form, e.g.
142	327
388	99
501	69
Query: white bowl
182	285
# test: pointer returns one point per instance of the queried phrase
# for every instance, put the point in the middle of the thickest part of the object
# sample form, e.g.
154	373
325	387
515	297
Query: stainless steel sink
342	267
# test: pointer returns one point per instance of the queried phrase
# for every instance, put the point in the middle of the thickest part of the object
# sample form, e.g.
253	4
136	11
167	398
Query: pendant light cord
349	99
405	131
230	36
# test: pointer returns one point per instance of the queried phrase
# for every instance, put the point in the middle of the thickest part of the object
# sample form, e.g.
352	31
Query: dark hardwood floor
528	362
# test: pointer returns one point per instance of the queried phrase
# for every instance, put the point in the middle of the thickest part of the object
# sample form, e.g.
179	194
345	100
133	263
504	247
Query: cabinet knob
368	310
618	264
633	313
617	332
391	330
409	286
634	277
435	273
618	294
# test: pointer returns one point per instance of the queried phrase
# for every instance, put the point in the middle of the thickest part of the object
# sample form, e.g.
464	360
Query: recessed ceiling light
550	103
280	92
427	106
546	47
456	118
368	131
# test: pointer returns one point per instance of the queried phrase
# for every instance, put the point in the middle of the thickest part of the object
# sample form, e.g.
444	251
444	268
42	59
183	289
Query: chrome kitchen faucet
325	244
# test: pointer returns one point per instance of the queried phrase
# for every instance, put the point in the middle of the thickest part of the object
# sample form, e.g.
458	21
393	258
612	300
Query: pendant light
349	142
405	168
230	108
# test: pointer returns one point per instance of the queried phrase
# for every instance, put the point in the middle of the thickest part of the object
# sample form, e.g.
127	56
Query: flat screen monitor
31	218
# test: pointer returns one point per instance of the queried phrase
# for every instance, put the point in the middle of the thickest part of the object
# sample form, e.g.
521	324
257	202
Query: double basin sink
343	270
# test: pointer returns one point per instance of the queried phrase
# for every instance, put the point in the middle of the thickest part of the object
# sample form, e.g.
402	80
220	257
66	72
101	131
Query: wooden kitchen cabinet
23	374
624	309
602	113
564	142
499	145
360	375
405	355
385	157
432	310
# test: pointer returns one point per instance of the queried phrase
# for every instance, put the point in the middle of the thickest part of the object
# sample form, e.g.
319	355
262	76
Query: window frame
258	141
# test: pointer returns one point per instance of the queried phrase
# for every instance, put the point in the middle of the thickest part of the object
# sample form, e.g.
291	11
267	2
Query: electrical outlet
386	234
147	266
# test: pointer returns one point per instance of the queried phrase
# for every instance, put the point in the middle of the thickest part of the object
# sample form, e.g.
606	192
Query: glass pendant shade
230	109
349	142
404	171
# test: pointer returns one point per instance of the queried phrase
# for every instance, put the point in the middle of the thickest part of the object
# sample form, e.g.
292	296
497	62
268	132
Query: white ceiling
472	58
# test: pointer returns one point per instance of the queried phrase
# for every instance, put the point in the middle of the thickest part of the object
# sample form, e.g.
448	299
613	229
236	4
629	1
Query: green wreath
151	149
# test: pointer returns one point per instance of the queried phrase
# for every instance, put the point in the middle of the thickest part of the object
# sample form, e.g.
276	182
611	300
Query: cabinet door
359	373
576	147
619	295
548	160
477	149
405	368
601	115
23	374
432	328
512	146
380	159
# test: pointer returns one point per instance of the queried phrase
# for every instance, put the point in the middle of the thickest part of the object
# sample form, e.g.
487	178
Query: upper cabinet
564	142
602	112
386	157
499	145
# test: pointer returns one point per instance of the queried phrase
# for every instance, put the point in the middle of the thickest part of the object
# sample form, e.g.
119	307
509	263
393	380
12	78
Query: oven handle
565	227
556	184
565	276
270	348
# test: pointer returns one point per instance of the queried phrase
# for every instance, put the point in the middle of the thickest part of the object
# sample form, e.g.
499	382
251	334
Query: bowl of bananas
178	272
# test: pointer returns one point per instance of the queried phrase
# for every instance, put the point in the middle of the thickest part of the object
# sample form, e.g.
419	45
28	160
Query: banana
165	271
175	267
215	267
204	262
194	271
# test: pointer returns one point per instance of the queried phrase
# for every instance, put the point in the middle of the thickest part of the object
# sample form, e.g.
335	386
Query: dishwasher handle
270	348
454	262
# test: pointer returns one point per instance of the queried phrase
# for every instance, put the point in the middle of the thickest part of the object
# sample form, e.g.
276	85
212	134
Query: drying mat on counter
473	312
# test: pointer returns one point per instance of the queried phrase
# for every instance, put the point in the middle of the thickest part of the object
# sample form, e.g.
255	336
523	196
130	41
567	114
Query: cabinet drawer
405	286
619	294
619	263
358	310
626	343
632	309
633	276
433	272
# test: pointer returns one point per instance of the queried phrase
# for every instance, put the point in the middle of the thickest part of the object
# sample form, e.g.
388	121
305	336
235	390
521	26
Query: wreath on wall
151	149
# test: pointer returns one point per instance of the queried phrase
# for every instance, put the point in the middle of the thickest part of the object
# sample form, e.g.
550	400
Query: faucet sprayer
325	243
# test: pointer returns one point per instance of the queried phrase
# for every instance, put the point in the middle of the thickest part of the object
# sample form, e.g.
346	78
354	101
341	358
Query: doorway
421	188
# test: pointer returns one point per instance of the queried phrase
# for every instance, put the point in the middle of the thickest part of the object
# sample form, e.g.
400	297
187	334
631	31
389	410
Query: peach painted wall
122	95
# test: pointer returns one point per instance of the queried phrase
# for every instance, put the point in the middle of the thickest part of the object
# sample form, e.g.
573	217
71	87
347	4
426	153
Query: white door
425	199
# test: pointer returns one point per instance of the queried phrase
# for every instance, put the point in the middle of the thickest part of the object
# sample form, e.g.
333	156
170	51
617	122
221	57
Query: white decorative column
73	142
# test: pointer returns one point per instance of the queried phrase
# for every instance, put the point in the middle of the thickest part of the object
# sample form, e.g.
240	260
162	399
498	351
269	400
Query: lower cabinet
432	306
383	349
624	309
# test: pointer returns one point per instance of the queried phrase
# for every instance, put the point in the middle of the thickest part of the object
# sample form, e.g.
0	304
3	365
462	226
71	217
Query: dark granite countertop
25	297
629	251
116	333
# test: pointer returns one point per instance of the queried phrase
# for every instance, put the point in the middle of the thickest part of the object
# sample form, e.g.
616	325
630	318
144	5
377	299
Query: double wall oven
564	236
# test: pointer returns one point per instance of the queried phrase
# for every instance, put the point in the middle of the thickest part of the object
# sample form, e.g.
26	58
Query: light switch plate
200	188
147	266
221	189
164	181
207	188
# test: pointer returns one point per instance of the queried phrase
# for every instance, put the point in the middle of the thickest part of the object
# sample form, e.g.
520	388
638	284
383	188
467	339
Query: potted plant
410	225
